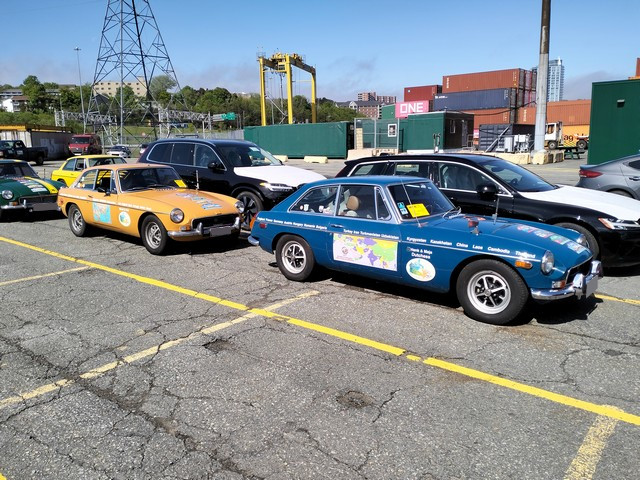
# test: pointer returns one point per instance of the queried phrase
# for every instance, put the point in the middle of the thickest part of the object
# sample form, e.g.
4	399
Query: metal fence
382	134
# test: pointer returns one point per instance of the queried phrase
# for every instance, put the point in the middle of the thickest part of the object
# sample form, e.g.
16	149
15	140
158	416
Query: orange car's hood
191	202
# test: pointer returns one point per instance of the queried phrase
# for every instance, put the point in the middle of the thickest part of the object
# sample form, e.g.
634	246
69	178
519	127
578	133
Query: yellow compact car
71	168
150	202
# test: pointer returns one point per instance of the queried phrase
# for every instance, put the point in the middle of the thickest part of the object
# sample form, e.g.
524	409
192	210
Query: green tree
36	93
160	87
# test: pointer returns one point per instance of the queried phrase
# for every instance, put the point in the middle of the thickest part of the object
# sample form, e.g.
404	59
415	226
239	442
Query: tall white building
555	84
555	80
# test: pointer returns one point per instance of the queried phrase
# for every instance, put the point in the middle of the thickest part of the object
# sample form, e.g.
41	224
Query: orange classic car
150	202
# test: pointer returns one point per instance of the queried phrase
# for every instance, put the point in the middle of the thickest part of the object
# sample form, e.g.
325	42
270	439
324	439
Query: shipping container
424	92
511	78
454	130
387	112
55	139
527	80
615	120
476	99
569	112
492	116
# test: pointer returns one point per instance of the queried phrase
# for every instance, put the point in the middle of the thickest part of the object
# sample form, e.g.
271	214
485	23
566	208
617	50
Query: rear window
369	169
160	153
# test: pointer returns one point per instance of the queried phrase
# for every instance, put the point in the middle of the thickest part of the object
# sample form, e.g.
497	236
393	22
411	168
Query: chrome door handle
635	179
335	225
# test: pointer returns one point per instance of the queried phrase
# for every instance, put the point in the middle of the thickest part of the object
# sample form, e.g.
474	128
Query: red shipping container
425	92
569	112
511	78
492	116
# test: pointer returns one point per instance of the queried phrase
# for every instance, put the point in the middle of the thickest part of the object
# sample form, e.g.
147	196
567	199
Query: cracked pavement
265	399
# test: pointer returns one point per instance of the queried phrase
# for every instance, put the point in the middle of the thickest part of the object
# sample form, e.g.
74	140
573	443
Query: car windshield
240	155
147	178
419	200
17	170
79	140
518	177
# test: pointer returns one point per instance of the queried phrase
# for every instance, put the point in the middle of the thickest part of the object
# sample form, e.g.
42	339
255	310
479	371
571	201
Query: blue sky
354	45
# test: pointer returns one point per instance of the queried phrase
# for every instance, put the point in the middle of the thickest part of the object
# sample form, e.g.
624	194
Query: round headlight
548	262
240	206
176	215
7	194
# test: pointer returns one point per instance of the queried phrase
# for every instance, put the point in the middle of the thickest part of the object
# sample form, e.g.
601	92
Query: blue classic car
404	230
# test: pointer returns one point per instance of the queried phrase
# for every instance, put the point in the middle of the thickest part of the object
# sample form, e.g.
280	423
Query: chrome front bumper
33	207
207	232
582	285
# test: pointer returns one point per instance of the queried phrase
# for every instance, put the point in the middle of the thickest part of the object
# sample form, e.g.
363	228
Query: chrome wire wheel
489	292
77	222
294	257
153	235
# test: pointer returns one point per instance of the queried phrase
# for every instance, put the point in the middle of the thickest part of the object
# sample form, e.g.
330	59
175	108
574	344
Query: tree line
42	102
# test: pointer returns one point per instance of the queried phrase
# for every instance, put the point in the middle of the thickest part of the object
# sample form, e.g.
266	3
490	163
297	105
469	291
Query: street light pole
84	118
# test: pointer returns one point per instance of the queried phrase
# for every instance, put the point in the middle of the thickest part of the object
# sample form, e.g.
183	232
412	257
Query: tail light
588	173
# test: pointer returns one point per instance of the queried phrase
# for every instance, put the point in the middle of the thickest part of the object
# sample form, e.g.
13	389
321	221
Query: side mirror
106	192
216	165
487	191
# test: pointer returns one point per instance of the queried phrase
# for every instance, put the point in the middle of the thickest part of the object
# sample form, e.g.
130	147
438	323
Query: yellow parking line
2	477
45	275
584	465
96	372
520	387
616	299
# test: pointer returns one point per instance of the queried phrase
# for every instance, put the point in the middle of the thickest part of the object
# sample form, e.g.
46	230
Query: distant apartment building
373	97
555	80
111	88
371	109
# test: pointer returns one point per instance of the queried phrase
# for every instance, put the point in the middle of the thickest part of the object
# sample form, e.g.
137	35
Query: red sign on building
404	109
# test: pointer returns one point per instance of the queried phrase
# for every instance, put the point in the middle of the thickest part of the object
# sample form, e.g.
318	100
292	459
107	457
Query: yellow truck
569	136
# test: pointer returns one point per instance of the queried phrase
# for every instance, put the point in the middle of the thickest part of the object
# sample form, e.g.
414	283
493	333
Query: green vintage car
22	189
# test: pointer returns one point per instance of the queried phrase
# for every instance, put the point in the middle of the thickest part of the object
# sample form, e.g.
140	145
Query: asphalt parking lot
208	363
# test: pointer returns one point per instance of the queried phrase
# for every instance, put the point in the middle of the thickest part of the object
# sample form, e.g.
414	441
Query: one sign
404	109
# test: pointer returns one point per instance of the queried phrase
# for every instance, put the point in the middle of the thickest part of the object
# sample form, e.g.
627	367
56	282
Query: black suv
232	167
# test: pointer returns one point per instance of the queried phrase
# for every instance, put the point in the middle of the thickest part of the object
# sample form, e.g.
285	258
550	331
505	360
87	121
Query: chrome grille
217	221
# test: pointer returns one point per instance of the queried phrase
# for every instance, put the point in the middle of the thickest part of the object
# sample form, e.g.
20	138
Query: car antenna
495	214
197	180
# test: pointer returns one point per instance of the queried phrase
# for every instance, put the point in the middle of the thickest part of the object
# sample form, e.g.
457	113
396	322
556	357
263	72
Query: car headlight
582	240
240	206
276	187
548	262
7	194
615	224
176	215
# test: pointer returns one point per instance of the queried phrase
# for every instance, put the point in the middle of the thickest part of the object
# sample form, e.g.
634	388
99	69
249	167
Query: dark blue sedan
404	230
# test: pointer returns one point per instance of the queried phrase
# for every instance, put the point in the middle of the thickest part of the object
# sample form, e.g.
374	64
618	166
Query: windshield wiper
160	185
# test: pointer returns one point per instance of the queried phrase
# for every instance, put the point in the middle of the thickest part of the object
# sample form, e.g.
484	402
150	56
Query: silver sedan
621	176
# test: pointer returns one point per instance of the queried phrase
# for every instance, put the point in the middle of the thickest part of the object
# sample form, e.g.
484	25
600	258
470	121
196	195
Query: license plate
219	231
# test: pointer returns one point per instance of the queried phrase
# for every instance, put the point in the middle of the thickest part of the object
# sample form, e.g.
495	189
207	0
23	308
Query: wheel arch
246	186
582	223
453	280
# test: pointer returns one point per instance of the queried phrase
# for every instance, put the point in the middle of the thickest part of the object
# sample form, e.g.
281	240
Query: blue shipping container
476	99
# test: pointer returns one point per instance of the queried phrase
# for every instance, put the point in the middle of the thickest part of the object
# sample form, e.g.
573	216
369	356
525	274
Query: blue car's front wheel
294	257
491	292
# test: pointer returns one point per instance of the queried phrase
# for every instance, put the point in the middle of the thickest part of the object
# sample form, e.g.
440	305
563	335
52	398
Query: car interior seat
352	206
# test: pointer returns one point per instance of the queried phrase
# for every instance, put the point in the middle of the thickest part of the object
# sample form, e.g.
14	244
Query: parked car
85	144
17	150
404	230
232	167
22	189
621	176
150	202
484	185
120	150
71	168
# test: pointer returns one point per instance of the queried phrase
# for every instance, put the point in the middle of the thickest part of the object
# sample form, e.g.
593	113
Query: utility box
615	120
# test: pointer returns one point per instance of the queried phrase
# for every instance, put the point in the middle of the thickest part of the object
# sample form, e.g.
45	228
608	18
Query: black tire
61	180
581	144
552	145
294	258
154	235
592	242
76	221
507	294
40	160
252	205
622	193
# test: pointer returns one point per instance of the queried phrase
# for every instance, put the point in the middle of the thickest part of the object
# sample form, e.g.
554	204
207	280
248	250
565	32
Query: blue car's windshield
419	200
518	177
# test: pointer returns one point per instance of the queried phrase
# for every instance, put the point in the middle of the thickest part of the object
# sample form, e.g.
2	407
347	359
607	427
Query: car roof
211	141
127	166
372	179
94	155
466	157
10	160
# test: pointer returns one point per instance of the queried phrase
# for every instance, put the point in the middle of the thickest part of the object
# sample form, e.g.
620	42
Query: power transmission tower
132	59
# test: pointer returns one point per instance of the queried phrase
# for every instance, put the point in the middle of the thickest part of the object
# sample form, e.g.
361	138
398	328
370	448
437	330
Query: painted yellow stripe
45	184
603	410
615	299
96	372
584	465
45	275
520	387
2	477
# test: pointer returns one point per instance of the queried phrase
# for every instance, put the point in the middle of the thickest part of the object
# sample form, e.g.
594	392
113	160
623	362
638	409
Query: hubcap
489	292
294	257
77	220
250	209
154	235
